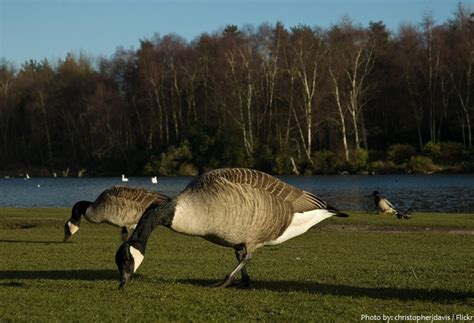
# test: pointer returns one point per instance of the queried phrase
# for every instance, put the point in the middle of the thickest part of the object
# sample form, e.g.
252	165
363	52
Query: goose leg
229	278
245	282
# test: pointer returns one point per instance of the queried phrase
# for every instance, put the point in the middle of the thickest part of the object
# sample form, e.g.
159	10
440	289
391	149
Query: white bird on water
154	180
124	179
27	176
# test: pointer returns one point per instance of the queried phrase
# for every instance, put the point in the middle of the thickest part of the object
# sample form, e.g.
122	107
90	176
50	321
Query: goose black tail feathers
405	214
341	214
337	212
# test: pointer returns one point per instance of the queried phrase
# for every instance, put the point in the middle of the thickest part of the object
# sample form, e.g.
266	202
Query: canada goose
121	206
240	208
385	206
154	180
124	179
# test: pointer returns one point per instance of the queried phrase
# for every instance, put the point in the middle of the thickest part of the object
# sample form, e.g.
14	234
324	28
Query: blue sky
37	29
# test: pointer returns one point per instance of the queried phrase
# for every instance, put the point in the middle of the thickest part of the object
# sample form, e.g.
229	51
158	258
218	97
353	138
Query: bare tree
462	68
352	54
409	59
7	92
305	57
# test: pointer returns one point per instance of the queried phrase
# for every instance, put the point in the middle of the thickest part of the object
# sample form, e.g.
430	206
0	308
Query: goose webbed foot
229	279
229	282
244	284
226	282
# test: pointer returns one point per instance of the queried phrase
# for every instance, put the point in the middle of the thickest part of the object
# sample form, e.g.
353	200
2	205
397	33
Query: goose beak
66	237
125	264
67	232
124	278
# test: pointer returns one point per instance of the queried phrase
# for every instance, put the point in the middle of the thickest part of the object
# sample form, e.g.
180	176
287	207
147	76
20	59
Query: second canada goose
382	204
121	206
385	206
240	208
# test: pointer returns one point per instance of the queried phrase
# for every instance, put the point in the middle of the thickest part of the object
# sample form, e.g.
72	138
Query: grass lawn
366	264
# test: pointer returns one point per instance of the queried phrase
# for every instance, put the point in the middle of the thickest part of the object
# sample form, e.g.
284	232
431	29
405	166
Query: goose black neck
153	216
78	210
377	199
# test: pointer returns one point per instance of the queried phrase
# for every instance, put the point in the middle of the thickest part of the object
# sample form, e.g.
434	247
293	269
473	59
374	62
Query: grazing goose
385	206
240	208
121	206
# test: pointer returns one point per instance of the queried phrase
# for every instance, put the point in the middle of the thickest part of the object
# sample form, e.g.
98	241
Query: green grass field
345	268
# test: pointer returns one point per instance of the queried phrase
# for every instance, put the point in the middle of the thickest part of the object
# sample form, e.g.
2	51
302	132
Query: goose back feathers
122	205
242	206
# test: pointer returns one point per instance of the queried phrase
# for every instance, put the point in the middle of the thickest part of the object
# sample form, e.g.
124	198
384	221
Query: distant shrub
175	161
468	167
360	160
432	150
376	155
445	151
326	162
187	169
214	147
451	152
377	165
382	167
283	165
400	153
421	165
263	159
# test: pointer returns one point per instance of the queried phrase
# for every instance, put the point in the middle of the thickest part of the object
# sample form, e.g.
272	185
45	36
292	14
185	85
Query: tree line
284	100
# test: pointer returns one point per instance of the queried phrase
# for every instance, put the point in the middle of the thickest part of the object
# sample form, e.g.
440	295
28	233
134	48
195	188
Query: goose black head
377	197
72	225
127	259
69	229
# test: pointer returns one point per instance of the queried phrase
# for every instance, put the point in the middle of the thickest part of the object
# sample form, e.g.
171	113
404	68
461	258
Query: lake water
435	193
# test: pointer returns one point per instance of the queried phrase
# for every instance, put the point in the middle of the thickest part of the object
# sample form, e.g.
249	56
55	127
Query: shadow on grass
404	294
30	241
75	274
12	284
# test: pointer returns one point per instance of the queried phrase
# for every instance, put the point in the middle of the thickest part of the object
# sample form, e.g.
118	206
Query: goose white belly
301	223
385	207
191	219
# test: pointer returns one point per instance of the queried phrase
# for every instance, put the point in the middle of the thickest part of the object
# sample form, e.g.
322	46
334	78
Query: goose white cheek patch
72	227
137	257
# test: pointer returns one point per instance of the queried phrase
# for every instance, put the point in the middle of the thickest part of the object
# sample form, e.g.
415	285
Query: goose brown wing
130	194
300	200
307	202
389	203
